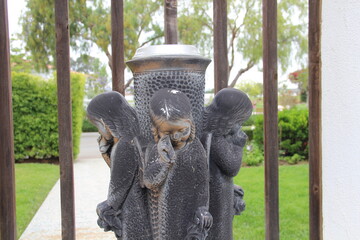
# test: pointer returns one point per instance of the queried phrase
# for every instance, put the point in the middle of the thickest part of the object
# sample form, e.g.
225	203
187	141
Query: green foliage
252	120
96	75
33	183
195	25
253	89
245	31
35	115
249	126
293	132
38	29
249	131
77	98
90	23
20	62
87	126
139	24
253	155
259	130
294	158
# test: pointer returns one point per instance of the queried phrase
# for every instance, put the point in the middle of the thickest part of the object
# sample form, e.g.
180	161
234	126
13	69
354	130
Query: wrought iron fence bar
170	22
315	160
271	118
64	119
7	174
117	45
221	65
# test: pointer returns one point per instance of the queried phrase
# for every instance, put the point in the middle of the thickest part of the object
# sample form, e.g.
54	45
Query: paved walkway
91	177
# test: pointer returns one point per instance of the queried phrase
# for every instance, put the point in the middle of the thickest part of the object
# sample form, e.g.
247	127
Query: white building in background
340	49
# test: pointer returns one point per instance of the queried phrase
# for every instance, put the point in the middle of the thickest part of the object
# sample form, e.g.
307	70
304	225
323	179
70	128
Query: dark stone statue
125	211
224	141
165	183
176	171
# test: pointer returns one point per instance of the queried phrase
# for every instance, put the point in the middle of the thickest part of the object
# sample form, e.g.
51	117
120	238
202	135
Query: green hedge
35	115
88	126
253	155
77	98
293	133
248	126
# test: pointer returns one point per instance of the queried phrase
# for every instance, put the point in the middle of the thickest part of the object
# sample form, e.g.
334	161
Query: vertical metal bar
221	65
315	154
64	119
170	22
271	118
117	45
7	175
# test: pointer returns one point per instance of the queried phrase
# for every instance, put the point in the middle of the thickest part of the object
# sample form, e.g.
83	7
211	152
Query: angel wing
115	119
114	111
230	108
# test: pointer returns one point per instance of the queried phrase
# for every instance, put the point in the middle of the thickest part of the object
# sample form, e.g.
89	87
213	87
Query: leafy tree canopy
90	24
96	75
253	89
20	62
245	31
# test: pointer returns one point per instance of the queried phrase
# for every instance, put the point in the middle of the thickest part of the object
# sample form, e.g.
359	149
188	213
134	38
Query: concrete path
91	177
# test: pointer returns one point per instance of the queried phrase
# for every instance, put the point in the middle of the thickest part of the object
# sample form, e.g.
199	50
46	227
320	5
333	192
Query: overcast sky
14	11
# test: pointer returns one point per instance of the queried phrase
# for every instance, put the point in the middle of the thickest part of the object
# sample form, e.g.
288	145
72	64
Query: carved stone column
179	67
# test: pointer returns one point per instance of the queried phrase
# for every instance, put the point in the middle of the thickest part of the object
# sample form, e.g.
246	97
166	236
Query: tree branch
206	23
234	31
151	39
141	29
250	64
109	58
128	83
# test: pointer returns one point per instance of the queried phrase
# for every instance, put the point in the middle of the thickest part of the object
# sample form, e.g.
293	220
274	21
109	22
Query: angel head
228	111
170	112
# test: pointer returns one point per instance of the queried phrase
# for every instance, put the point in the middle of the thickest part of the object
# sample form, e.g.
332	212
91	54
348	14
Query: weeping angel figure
224	141
125	211
176	171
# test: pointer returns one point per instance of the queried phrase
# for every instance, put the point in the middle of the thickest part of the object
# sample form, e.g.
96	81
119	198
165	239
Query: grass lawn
294	203
33	183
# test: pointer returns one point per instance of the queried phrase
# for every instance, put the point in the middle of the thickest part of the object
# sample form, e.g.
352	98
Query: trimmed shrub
88	127
293	132
249	126
249	131
252	155
294	159
35	115
77	100
250	121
